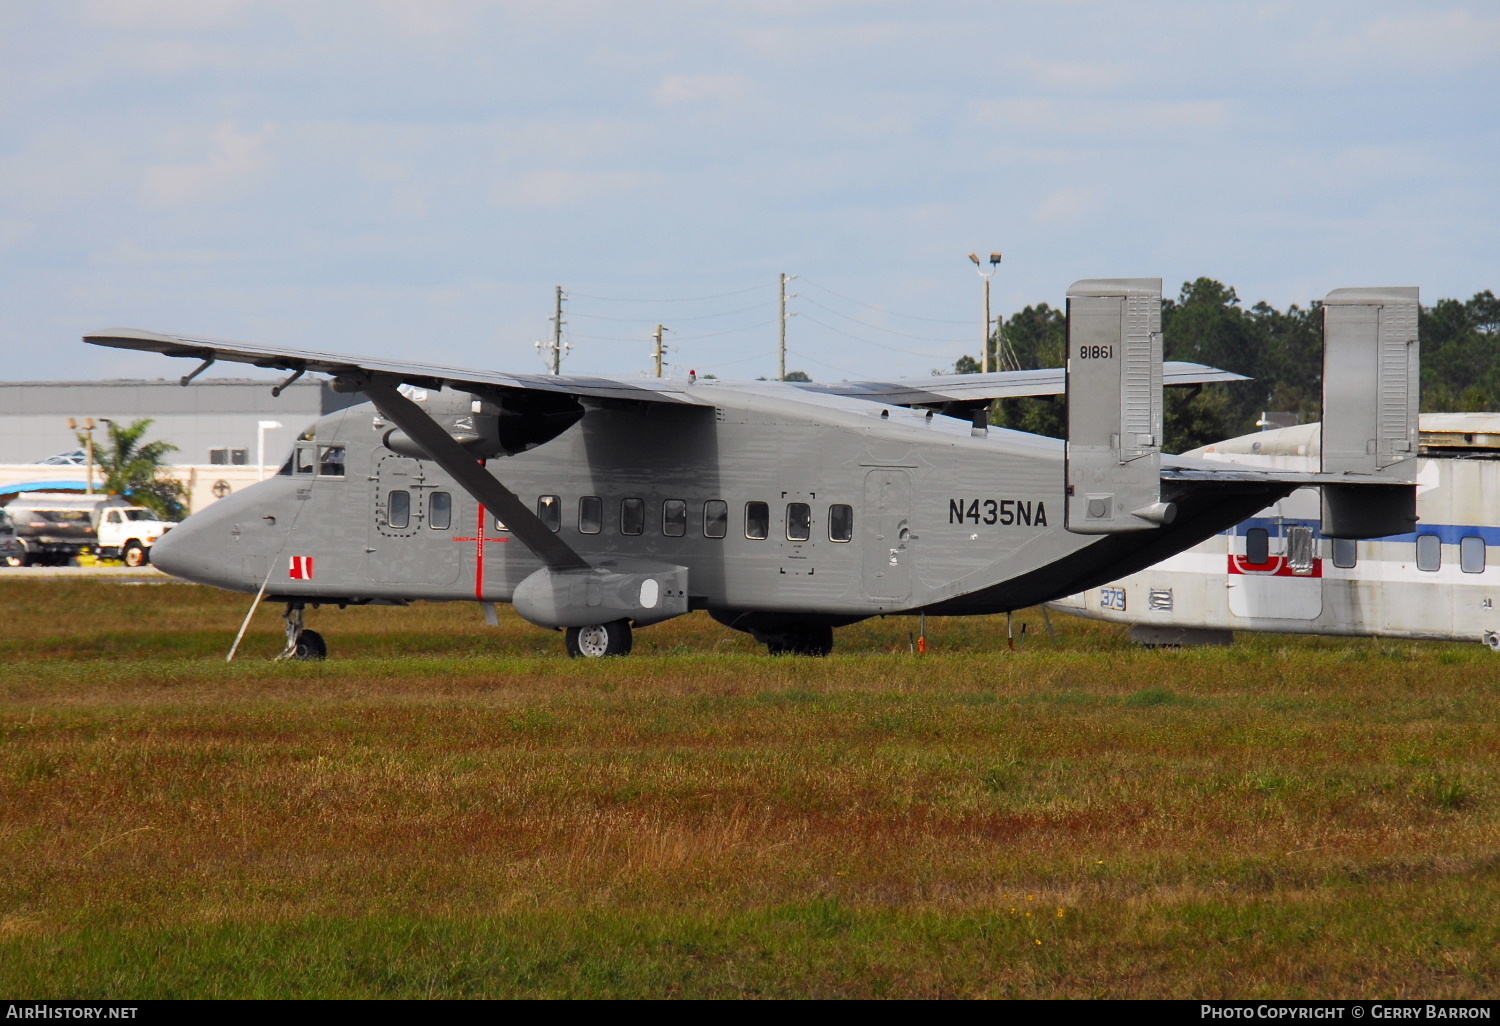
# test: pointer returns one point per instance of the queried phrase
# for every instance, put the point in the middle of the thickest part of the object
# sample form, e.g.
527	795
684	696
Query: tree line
1282	351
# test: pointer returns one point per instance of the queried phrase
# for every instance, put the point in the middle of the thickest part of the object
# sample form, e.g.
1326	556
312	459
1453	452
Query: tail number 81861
1096	352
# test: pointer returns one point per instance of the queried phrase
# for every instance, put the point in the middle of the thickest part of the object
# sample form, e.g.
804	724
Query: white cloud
1067	205
679	89
171	15
1442	41
1080	76
237	160
566	188
1110	118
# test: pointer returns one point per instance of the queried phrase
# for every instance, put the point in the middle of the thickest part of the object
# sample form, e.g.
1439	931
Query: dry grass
461	811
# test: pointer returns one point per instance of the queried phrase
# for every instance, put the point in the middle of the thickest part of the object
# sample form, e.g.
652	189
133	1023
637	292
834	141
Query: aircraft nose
196	550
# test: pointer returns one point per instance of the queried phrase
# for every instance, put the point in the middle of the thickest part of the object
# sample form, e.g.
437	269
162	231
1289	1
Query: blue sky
414	178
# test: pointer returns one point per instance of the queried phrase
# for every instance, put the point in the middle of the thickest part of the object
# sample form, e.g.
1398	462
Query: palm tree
136	471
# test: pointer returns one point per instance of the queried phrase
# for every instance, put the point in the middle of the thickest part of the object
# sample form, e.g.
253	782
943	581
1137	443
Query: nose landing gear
301	643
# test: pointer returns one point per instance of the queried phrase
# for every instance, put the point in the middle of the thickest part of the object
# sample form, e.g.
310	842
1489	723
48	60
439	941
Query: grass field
447	809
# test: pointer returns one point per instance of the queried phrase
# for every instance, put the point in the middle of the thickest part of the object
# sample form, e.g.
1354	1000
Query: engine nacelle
488	427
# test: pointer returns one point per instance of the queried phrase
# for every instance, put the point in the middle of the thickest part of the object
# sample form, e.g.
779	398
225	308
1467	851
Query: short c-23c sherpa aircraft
596	505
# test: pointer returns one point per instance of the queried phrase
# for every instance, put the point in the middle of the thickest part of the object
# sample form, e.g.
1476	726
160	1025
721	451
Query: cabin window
632	516
1345	552
840	522
398	509
798	521
113	517
440	511
590	514
1471	554
1257	546
303	459
715	518
330	461
674	518
757	520
1429	552
500	525
549	512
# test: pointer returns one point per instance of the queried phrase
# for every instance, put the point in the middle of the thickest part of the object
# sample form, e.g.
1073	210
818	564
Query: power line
647	320
683	338
868	342
814	359
877	327
731	331
871	306
685	299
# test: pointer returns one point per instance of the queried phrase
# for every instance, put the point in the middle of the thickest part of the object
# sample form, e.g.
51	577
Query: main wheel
310	645
599	640
804	641
134	555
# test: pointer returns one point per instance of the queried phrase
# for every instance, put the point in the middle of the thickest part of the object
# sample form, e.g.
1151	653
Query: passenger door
885	534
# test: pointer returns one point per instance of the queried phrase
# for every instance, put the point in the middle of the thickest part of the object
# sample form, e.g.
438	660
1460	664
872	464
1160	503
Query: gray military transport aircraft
785	510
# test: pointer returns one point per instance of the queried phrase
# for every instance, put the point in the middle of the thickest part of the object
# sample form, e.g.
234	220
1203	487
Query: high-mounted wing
949	388
424	375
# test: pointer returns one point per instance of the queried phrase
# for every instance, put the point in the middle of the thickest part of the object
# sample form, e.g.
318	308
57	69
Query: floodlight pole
984	356
261	428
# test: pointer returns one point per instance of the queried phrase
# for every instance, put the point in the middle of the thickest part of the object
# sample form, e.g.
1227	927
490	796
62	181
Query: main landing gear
599	640
301	643
807	640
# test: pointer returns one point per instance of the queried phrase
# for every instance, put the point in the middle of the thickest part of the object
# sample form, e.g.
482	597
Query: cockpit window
302	459
330	461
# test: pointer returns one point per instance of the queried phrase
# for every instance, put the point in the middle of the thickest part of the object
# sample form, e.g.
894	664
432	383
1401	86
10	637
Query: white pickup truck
52	528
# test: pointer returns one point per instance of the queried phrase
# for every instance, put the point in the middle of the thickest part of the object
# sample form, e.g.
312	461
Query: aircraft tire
310	645
134	555
814	641
598	641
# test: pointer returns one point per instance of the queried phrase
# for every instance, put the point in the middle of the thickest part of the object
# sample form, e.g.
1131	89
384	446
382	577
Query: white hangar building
215	424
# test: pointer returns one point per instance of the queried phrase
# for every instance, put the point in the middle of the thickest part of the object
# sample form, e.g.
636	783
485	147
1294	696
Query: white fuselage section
1277	572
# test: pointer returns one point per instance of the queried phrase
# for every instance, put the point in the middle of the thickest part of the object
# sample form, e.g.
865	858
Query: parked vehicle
52	528
11	552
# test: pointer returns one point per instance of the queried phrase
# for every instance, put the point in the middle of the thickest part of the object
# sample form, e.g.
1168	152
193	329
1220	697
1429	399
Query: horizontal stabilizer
963	388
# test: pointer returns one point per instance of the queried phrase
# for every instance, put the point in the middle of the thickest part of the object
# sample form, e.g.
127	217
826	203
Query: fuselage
820	506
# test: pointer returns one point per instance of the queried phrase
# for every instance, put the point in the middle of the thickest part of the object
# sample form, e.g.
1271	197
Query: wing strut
469	472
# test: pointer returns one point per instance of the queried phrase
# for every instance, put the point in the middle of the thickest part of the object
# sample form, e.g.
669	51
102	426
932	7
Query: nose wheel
301	643
599	640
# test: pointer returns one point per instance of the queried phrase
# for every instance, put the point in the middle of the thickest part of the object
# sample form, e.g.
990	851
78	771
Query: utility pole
659	349
557	326
781	349
88	446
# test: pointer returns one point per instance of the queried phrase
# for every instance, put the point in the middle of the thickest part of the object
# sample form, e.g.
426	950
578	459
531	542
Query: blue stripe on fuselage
1448	534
